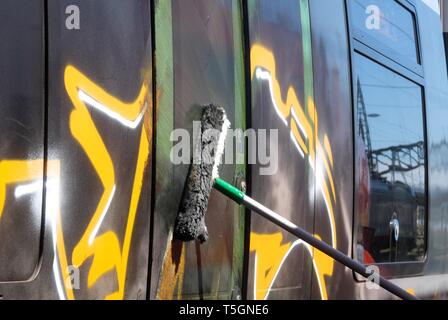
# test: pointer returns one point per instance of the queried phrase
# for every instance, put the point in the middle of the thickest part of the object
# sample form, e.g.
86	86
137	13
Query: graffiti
304	130
270	252
28	176
270	255
105	249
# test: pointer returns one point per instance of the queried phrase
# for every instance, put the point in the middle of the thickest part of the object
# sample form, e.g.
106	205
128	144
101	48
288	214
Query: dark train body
91	91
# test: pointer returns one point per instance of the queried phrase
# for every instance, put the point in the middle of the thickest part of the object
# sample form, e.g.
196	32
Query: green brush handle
230	191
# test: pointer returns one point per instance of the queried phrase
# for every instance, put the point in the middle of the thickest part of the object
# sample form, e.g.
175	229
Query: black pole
325	248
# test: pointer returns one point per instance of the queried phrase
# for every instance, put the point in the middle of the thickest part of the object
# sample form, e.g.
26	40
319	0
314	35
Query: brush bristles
220	148
190	222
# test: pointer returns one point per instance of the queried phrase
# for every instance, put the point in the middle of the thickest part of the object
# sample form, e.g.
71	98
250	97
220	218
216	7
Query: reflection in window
395	26
391	203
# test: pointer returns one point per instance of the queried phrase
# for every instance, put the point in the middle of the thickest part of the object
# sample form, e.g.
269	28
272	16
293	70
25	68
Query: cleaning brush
190	222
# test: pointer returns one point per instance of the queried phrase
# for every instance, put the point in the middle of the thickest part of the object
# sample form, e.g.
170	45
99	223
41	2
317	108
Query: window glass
391	162
389	23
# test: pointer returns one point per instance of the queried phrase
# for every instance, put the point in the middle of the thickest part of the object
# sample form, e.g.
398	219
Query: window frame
389	53
413	72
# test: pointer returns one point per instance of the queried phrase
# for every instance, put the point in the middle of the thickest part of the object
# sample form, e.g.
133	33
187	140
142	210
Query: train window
22	137
389	23
391	200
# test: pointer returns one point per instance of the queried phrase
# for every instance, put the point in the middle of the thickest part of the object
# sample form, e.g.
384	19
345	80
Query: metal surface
206	67
22	111
436	95
99	145
279	40
76	116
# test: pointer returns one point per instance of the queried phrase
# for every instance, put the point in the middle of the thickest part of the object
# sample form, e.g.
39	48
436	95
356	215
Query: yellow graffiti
323	266
144	151
411	291
53	209
270	253
105	248
18	171
304	128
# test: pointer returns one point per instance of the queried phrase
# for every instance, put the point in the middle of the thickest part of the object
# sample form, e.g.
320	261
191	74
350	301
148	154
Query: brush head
190	221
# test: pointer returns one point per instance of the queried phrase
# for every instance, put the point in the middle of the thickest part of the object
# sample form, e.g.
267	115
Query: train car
347	96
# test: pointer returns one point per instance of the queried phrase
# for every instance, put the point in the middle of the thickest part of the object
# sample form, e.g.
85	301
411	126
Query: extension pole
239	197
